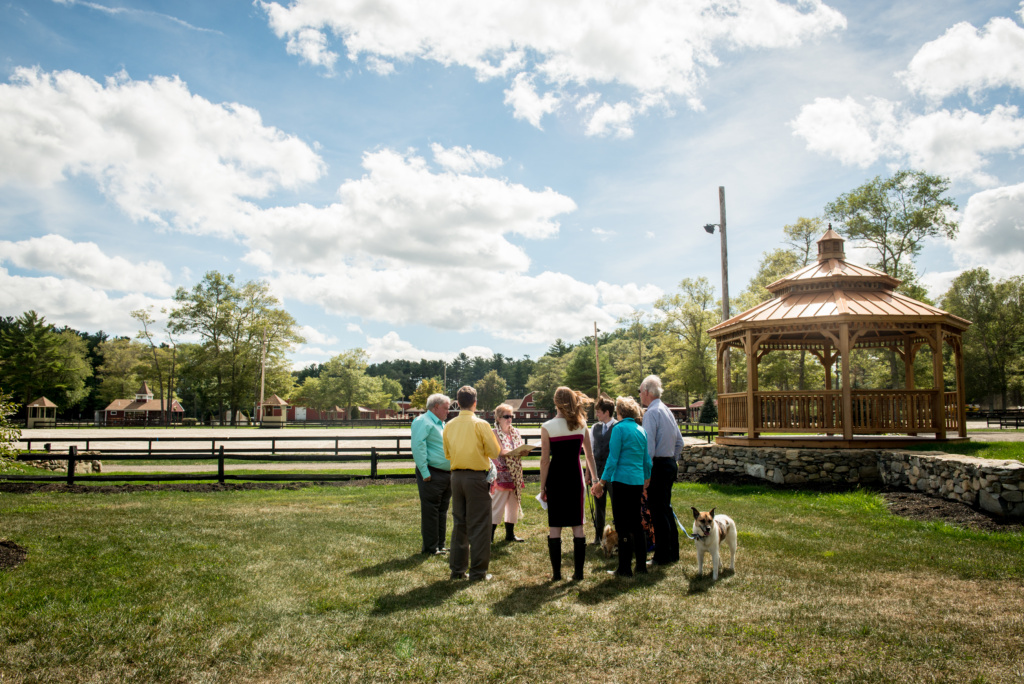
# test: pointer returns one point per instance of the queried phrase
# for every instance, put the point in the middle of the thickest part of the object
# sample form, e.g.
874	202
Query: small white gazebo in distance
41	411
274	412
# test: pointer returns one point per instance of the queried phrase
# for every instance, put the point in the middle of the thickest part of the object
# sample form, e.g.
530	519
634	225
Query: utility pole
597	362
710	228
725	283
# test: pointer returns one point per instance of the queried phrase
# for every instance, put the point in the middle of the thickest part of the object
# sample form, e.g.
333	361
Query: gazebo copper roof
833	288
274	400
42	402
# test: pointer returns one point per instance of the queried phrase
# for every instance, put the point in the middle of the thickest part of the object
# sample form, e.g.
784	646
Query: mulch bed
11	555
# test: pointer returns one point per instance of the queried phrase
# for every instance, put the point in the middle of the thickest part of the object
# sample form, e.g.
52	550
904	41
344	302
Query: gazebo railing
732	412
872	411
877	411
799	411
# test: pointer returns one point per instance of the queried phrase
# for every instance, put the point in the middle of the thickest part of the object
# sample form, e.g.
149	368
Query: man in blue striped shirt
664	444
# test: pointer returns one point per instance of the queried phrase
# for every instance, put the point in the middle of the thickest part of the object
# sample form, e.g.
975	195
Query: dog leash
691	537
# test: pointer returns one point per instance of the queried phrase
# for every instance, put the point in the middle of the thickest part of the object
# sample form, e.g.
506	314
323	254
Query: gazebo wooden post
961	391
751	349
827	360
908	378
844	352
939	384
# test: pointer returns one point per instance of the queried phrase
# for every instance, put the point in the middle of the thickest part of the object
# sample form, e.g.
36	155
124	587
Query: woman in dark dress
561	477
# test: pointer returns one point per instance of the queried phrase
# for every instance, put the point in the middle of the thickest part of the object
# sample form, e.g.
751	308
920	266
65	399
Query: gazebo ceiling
832	291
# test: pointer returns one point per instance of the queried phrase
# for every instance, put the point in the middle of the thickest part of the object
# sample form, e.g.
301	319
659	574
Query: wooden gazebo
830	308
43	412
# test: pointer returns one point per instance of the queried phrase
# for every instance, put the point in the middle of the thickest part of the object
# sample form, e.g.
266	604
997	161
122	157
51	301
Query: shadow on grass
527	599
393	565
701	583
613	586
421	597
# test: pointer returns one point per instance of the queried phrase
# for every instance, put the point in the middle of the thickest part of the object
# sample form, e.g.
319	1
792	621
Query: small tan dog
709	530
609	541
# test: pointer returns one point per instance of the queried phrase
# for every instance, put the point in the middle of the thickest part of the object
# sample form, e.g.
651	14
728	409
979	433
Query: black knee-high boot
579	555
555	551
510	533
494	526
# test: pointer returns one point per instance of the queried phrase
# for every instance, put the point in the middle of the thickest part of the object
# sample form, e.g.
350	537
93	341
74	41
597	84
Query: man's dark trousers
659	500
471	523
435	497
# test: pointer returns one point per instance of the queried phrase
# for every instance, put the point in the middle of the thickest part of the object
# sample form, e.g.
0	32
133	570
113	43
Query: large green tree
36	360
491	390
118	371
427	386
994	343
547	375
581	372
894	216
237	326
688	350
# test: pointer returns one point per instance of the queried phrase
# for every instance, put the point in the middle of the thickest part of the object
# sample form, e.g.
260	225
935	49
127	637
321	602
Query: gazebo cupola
829	308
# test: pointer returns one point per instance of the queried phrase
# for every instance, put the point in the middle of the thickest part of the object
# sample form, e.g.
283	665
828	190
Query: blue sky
420	179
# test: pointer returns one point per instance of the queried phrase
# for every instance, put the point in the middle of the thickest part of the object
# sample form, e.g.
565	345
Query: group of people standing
467	464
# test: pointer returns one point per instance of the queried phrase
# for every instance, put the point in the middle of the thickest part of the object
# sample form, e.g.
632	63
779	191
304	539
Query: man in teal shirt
433	473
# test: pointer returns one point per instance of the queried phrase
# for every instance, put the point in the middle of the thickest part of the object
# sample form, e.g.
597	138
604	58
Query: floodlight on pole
710	228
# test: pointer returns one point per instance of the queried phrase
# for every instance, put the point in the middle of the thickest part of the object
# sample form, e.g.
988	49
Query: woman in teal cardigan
629	468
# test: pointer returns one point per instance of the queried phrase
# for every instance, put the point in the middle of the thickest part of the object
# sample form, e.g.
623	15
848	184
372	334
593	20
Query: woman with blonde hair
507	486
628	468
561	477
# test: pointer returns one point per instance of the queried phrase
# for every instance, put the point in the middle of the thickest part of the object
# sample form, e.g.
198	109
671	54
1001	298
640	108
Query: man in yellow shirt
469	444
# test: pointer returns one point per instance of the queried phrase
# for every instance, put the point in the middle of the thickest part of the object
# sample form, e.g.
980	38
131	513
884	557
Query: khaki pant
471	531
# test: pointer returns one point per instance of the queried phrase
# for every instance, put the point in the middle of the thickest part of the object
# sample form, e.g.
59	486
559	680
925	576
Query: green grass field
323	584
1000	451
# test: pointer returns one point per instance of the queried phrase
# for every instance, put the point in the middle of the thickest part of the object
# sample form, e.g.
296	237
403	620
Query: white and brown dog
709	530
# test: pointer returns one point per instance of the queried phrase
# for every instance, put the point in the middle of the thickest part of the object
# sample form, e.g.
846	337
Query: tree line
238	330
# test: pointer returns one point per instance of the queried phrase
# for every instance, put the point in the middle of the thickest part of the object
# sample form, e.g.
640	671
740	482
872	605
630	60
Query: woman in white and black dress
561	477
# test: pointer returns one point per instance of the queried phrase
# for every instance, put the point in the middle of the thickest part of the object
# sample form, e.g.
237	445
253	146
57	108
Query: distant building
141	410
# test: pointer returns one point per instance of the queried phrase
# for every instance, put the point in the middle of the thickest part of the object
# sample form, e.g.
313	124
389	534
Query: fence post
72	457
373	462
220	464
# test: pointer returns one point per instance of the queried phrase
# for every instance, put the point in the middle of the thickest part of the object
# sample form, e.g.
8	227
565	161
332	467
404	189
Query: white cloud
314	336
612	119
992	231
948	143
159	152
502	304
352	327
401	212
391	347
658	47
966	59
381	67
956	143
464	159
526	103
68	302
602	234
86	263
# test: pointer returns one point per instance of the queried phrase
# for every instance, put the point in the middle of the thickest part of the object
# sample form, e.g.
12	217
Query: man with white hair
664	444
433	473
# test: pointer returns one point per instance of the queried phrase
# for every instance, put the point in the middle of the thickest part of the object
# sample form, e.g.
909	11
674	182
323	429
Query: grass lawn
1000	451
323	584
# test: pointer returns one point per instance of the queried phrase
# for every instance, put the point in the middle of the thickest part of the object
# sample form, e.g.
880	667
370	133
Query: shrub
9	433
708	411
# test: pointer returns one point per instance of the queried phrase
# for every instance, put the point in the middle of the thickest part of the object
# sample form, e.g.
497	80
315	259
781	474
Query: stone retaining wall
996	486
83	464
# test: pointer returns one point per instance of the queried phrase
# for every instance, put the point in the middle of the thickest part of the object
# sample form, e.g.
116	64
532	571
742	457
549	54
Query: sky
423	179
